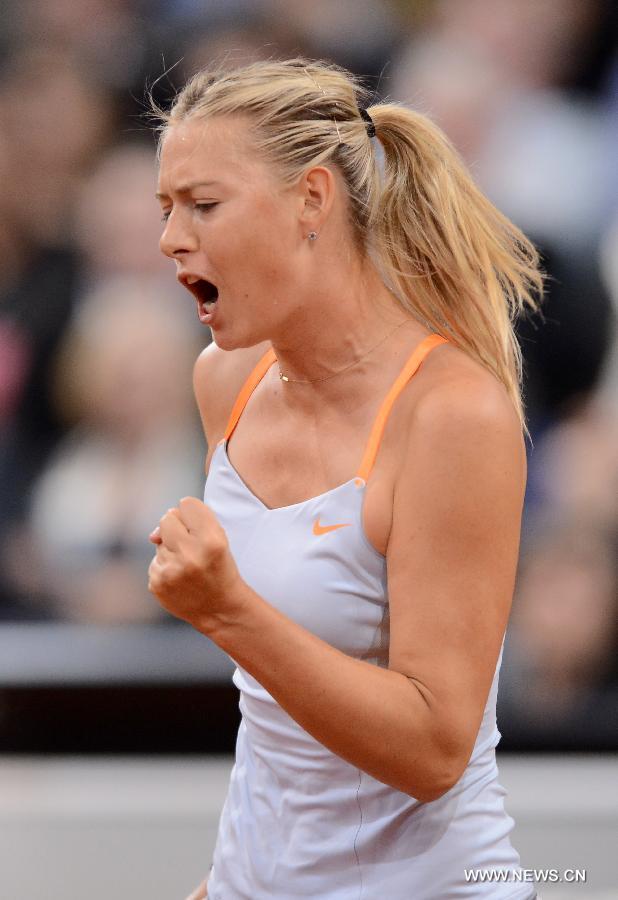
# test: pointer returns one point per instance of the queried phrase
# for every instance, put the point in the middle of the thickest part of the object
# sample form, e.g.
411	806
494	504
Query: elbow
433	789
445	743
439	776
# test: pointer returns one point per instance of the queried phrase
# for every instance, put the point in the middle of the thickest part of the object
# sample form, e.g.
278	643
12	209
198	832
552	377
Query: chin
235	341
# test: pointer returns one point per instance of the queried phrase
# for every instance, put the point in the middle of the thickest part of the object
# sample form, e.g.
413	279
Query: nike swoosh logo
324	529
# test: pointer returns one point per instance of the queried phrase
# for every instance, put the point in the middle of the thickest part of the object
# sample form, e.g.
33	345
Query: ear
317	189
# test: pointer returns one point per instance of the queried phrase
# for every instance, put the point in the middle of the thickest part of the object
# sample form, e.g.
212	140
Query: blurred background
98	430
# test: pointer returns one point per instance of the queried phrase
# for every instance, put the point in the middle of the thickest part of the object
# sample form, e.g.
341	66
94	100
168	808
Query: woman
356	552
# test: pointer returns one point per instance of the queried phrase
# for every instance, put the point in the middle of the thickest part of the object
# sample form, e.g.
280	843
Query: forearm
374	718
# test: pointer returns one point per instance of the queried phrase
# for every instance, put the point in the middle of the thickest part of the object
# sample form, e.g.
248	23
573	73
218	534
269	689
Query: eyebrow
187	188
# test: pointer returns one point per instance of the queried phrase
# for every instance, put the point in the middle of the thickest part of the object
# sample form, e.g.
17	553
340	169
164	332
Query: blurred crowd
98	430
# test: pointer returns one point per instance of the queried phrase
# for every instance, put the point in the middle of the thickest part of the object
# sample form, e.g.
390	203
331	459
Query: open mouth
205	292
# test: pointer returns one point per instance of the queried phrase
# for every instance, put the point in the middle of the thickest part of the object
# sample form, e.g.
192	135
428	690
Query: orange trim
410	368
247	389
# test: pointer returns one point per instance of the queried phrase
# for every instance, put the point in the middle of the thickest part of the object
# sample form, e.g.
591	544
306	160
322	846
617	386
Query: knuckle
168	576
192	566
217	544
154	582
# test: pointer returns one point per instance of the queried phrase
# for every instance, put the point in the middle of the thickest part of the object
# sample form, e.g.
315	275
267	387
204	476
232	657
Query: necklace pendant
282	376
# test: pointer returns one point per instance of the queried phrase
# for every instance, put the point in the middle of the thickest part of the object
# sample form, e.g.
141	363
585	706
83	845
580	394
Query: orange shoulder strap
410	368
247	389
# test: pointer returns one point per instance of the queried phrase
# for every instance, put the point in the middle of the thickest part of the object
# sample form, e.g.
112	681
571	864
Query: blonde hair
449	256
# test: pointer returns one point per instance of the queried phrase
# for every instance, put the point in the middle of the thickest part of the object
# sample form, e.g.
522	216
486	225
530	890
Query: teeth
193	279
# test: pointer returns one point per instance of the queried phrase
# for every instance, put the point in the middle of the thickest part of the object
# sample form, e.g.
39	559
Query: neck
339	335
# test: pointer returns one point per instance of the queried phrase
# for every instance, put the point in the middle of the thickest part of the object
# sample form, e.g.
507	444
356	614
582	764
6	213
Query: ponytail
448	254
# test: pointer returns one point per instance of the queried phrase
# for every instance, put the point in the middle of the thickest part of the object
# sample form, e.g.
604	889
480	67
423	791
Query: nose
178	237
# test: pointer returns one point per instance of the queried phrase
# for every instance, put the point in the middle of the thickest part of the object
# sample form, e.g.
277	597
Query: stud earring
312	235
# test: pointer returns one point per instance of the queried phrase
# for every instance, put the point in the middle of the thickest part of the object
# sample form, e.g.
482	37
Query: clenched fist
193	574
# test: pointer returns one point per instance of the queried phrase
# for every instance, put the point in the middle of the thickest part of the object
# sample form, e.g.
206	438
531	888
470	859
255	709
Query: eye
201	207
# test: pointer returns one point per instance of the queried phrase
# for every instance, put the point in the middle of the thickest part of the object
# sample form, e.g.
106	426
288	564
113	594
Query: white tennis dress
298	820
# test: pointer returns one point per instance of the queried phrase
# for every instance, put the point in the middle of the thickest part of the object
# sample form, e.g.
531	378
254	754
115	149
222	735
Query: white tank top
299	821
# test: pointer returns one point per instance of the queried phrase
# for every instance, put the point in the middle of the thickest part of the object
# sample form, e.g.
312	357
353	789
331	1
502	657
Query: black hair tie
371	129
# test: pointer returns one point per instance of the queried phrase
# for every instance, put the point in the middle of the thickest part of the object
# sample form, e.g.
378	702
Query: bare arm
451	567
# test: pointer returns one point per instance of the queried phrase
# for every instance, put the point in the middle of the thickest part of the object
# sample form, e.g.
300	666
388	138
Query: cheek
258	246
265	267
271	231
277	255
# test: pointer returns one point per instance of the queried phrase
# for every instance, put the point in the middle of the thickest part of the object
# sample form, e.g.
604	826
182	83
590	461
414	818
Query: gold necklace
356	361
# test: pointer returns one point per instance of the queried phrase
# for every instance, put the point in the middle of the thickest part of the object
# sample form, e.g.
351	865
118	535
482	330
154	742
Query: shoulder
462	411
218	376
460	396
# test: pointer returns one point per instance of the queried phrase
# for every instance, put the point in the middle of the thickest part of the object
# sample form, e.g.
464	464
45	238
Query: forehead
218	150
